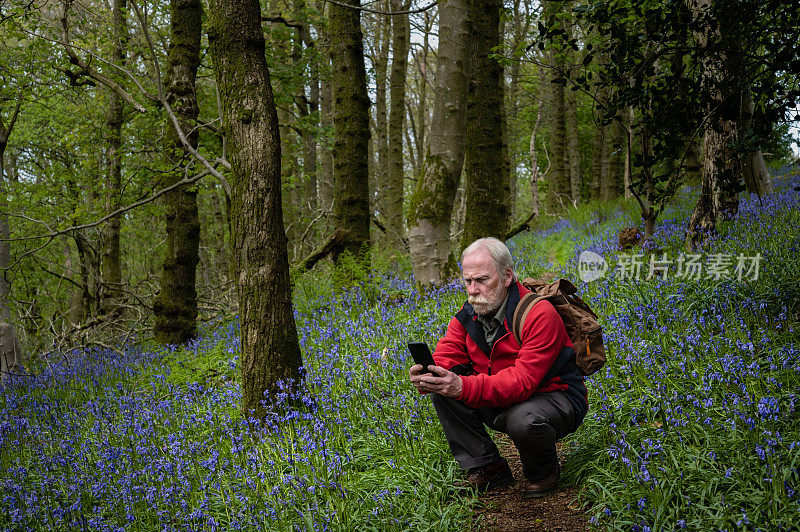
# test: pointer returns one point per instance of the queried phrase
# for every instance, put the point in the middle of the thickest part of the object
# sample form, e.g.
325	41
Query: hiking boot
539	488
491	476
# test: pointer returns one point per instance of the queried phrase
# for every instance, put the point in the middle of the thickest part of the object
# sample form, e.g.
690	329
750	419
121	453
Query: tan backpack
580	321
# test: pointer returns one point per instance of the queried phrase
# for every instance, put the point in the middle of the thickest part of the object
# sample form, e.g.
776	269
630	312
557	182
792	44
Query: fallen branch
336	238
520	227
379	224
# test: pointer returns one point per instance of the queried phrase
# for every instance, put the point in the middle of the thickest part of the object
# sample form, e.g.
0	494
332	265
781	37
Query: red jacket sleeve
543	337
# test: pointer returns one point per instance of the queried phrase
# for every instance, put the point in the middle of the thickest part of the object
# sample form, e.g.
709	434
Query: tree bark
420	131
380	142
573	160
11	357
518	24
722	174
535	163
615	161
626	177
486	185
111	258
558	189
431	204
393	194
756	175
599	164
325	190
175	306
270	352
351	123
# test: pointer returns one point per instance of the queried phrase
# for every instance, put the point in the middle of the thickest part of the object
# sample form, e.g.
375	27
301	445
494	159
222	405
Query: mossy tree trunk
270	352
486	185
175	306
393	193
111	257
351	123
431	204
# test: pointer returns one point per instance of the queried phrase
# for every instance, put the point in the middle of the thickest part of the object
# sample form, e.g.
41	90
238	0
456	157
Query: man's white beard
485	306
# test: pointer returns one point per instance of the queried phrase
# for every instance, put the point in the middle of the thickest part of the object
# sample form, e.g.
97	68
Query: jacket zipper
491	350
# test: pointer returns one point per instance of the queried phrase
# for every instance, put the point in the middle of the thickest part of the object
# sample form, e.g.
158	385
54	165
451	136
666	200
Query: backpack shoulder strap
524	307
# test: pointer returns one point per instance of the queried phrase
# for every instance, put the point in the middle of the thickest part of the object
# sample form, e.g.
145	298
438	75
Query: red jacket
506	373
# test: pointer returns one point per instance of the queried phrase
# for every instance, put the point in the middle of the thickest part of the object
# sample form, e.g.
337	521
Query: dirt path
506	511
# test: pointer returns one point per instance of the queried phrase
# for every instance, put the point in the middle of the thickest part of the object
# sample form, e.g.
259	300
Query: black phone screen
421	355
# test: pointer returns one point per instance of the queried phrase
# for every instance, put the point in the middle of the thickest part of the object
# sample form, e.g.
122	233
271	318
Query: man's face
486	289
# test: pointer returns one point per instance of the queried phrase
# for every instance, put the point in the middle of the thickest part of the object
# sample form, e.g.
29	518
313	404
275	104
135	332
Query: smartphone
421	355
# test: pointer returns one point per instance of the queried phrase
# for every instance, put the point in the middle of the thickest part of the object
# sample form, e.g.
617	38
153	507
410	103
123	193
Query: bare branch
378	12
86	70
279	19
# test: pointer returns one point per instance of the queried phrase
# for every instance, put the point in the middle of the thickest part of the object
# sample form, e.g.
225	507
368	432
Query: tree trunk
420	131
431	204
290	177
756	175
615	161
325	189
221	240
600	153
558	189
393	193
111	258
535	163
573	151
486	186
351	122
270	352
626	178
175	306
11	358
307	103
722	167
704	216
380	142
518	23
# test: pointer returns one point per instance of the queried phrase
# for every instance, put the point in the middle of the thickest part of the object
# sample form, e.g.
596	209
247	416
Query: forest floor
506	511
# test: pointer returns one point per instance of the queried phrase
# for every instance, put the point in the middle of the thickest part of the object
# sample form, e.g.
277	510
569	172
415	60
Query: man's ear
509	277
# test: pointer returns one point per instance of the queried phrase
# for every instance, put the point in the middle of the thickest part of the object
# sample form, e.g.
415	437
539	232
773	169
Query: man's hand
443	382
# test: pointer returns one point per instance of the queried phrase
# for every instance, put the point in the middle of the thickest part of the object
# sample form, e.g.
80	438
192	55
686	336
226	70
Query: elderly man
534	392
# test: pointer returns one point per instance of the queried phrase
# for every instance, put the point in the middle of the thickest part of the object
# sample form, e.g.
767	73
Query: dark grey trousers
533	425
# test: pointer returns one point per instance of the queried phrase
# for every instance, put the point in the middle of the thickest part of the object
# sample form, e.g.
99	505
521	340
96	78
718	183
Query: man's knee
529	427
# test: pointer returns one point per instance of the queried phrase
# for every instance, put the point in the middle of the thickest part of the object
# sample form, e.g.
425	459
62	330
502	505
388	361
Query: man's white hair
497	250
